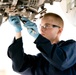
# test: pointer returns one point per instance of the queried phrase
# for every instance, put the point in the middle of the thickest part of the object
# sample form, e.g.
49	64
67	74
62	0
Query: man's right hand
15	21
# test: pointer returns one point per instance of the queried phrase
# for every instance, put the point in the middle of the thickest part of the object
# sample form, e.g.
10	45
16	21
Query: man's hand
15	21
31	27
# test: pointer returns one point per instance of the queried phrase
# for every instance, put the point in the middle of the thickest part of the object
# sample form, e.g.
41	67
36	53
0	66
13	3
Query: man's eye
55	26
46	25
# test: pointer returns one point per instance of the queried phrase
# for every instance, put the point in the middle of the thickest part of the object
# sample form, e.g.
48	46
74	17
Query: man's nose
42	29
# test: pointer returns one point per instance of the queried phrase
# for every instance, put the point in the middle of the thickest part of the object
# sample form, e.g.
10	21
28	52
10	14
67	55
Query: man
55	57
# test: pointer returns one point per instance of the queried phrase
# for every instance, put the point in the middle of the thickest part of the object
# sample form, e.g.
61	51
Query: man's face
49	28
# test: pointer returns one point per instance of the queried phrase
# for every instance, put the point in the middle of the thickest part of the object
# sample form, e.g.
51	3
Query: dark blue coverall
53	59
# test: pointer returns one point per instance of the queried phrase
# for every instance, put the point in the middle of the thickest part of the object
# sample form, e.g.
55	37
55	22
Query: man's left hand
31	27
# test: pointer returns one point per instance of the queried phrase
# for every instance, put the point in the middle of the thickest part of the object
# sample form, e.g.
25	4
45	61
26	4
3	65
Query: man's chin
44	36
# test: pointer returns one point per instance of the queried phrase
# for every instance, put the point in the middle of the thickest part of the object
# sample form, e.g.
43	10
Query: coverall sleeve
20	60
62	56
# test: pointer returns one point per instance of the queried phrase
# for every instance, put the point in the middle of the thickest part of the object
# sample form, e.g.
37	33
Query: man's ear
60	30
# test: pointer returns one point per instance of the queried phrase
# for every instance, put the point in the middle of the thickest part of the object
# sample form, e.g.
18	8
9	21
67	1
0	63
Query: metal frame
70	5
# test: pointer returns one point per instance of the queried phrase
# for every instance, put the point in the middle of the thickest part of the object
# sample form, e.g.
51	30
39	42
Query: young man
55	57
